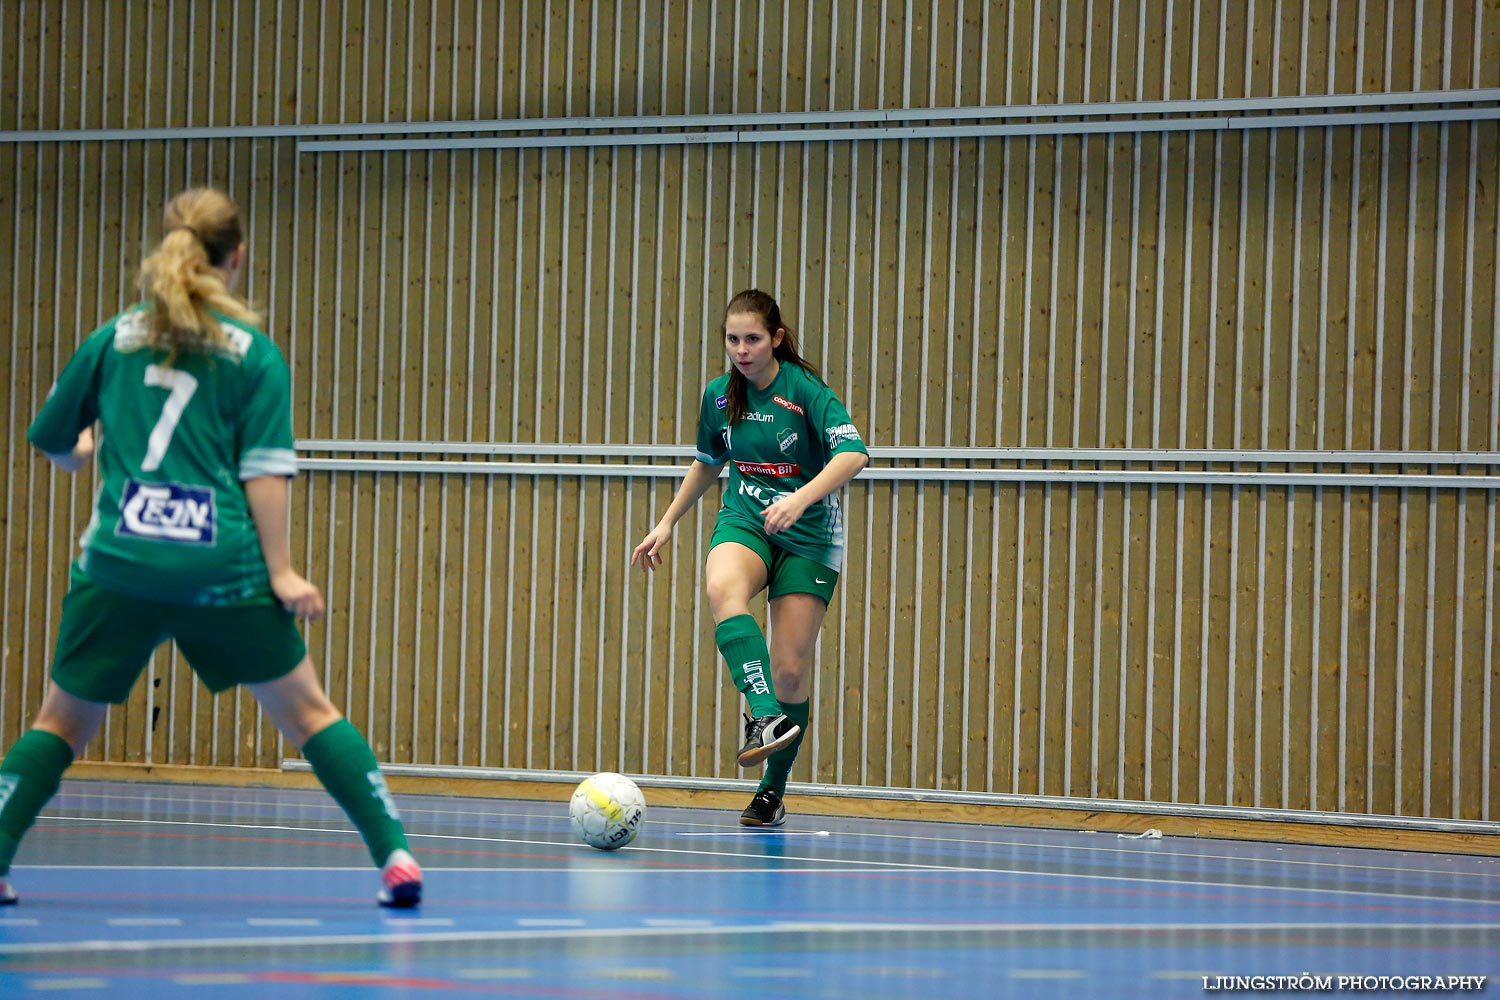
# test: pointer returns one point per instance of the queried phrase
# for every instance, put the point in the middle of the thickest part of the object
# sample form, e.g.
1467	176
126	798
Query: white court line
1159	850
556	934
1046	974
726	832
894	866
89	983
145	921
1182	974
550	922
18	921
605	868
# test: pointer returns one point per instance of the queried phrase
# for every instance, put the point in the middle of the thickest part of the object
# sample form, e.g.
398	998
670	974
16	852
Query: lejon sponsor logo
167	512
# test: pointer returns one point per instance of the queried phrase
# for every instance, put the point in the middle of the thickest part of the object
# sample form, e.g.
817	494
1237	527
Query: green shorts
106	639
787	572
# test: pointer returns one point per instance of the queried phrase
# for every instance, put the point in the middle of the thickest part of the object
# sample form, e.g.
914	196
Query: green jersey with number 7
180	436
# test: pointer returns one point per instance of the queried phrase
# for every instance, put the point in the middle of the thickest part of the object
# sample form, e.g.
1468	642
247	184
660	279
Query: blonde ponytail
183	281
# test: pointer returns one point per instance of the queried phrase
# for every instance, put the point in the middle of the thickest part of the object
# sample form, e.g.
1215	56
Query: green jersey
791	429
171	521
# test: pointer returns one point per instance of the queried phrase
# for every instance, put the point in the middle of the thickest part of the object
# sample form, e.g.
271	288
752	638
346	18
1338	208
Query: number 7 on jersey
183	386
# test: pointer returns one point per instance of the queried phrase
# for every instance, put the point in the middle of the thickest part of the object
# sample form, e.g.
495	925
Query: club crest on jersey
168	512
783	401
787	438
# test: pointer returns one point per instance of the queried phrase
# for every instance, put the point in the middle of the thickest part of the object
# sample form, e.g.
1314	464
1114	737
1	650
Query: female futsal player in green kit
189	534
793	448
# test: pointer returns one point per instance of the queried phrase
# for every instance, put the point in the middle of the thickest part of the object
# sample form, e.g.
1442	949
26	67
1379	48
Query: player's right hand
647	555
298	595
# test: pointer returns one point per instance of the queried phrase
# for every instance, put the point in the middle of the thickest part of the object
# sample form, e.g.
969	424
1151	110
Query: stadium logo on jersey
777	469
842	433
787	438
761	418
167	512
721	402
781	401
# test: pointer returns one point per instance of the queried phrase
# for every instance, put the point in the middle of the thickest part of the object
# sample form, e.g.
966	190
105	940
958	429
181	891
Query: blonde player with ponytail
189	535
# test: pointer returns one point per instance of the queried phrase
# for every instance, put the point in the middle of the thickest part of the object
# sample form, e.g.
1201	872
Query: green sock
346	766
744	647
29	776
779	764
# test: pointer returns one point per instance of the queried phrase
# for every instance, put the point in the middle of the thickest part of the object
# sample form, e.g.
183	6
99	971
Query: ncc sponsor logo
777	469
789	405
168	512
763	495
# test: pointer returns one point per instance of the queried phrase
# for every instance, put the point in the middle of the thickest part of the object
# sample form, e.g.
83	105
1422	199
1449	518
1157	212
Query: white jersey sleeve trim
268	462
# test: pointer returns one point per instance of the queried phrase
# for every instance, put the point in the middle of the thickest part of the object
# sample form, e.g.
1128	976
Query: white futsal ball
608	810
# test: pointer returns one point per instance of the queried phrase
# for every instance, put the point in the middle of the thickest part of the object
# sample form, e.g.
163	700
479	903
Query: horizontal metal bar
1240	813
1232	105
1110	127
909	474
1427	116
1000	454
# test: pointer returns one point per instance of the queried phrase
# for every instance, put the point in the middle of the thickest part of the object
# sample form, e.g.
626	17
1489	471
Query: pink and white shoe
8	894
403	881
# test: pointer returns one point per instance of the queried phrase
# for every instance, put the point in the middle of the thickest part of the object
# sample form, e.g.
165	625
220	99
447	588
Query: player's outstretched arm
269	500
81	455
699	478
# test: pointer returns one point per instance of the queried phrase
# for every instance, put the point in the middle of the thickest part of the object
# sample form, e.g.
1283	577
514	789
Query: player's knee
726	598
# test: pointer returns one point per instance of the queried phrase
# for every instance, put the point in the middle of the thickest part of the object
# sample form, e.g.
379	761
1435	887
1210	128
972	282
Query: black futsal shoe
8	894
764	810
764	736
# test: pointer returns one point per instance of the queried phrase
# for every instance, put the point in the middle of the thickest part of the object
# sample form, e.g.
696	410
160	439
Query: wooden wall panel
1327	648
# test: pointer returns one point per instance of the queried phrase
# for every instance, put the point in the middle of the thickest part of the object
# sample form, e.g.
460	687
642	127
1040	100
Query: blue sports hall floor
166	891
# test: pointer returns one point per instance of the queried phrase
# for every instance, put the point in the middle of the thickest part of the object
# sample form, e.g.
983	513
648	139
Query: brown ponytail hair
182	280
758	303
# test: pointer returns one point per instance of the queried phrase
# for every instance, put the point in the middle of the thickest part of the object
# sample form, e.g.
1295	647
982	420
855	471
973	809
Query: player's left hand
298	595
784	513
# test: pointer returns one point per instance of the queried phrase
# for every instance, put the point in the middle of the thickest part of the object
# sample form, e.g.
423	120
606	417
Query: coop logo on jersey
787	438
721	401
777	469
841	433
168	512
788	404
